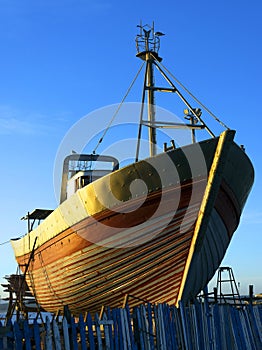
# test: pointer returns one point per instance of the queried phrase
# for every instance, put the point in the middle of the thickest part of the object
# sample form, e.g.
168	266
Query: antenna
148	41
147	45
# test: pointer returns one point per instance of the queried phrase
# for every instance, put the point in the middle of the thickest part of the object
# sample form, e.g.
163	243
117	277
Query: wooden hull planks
116	249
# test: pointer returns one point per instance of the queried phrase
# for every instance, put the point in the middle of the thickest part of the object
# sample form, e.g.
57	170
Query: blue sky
63	59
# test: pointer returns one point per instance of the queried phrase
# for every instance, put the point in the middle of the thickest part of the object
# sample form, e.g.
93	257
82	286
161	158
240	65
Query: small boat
155	230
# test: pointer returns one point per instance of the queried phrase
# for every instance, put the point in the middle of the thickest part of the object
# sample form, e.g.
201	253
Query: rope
47	277
8	241
200	103
5	242
118	108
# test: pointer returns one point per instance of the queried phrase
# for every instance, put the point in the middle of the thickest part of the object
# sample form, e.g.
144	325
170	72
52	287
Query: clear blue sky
62	59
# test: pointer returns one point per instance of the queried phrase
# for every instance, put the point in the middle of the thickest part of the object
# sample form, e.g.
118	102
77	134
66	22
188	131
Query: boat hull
162	250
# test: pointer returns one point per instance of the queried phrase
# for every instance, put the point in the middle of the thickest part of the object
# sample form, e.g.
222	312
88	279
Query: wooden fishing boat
110	237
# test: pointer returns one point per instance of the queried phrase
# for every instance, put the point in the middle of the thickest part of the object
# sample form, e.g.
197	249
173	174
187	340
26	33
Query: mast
147	43
151	103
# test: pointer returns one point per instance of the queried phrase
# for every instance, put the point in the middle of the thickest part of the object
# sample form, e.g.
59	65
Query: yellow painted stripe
213	183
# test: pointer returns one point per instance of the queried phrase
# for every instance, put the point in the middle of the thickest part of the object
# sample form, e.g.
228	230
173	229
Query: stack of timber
198	326
20	299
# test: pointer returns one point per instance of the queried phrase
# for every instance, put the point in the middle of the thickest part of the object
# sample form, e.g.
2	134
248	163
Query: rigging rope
196	99
118	108
5	242
8	241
